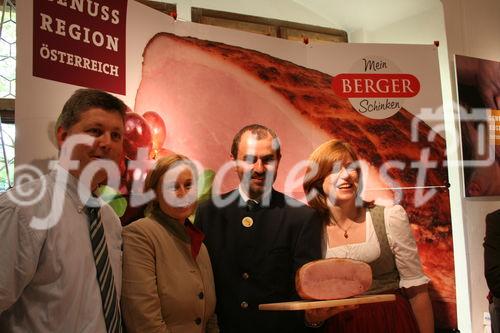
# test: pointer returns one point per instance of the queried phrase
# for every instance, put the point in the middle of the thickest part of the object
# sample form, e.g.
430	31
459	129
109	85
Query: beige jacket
164	289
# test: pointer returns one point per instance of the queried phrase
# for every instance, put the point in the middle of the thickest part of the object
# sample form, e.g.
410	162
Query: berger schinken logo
376	87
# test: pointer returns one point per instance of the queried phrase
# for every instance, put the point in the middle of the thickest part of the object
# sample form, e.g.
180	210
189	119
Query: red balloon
137	135
122	165
157	127
156	154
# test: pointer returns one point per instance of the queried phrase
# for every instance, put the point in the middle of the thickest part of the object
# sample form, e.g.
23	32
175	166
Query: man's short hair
85	99
261	132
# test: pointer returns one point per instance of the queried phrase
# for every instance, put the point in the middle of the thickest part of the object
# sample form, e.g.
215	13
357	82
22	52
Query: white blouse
401	242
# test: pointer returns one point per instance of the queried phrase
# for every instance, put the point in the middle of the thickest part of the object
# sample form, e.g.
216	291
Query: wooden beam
267	26
7	107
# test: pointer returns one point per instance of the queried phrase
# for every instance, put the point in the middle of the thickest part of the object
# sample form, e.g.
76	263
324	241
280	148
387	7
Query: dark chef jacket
257	264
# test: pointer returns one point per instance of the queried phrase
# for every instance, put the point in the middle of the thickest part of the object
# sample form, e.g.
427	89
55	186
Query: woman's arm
422	307
412	279
140	302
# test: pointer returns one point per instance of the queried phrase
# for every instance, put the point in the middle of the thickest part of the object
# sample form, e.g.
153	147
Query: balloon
156	154
122	165
137	135
205	182
158	128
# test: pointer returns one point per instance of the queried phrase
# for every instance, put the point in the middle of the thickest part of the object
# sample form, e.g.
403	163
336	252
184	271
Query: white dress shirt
401	242
47	274
264	199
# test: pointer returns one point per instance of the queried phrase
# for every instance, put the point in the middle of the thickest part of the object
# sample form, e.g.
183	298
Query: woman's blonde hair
322	162
161	167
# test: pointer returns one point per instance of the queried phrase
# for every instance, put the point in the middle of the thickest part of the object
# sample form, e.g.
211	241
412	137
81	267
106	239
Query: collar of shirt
245	197
187	233
76	190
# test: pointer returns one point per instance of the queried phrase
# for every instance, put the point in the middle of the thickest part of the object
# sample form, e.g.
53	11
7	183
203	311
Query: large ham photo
206	91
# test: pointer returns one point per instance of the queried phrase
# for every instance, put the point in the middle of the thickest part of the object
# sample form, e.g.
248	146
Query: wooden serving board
306	305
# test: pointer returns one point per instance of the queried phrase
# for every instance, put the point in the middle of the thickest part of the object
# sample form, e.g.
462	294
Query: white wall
423	28
276	9
473	29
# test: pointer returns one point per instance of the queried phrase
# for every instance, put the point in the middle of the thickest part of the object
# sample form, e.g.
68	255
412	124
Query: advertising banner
385	104
478	87
81	43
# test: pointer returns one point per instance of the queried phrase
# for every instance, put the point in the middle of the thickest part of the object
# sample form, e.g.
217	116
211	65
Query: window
7	92
167	8
7	156
269	27
255	24
8	51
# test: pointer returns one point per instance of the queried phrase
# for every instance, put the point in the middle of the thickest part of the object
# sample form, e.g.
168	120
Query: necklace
346	235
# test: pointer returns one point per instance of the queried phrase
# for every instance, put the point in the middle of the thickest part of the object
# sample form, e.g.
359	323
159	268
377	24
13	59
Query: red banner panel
81	42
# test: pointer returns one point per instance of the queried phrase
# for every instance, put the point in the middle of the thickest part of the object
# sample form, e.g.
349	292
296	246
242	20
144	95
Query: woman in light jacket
167	276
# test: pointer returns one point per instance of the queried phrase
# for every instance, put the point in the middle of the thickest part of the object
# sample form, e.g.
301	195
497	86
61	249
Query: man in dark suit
257	238
492	265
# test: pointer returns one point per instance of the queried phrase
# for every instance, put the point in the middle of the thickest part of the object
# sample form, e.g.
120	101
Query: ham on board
333	279
205	91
